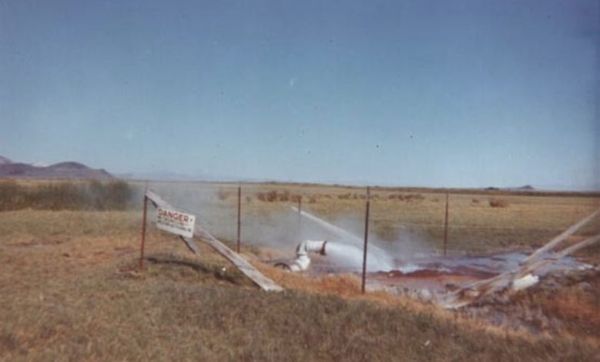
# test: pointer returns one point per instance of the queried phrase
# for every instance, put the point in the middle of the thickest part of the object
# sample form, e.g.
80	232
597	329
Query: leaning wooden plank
559	238
472	292
242	264
532	267
476	290
581	244
190	244
157	200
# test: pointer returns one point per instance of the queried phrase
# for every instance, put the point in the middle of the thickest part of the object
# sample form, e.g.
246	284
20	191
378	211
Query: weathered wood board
236	259
468	294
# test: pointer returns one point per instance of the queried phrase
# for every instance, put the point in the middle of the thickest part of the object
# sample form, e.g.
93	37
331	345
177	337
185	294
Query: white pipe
346	236
525	282
302	261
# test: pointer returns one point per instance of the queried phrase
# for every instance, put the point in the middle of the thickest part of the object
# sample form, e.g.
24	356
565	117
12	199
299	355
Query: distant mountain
525	188
519	188
4	160
62	170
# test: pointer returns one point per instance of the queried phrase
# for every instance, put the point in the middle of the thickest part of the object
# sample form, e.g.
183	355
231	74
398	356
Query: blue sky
422	93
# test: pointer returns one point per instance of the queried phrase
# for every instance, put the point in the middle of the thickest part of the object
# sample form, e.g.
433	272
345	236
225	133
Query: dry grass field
522	221
71	290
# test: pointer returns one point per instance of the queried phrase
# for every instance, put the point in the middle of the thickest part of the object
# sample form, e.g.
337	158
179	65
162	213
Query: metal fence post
364	271
446	227
143	231
299	214
239	218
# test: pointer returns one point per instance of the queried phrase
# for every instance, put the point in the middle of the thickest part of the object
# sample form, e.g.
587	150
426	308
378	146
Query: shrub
344	196
498	203
271	196
11	197
415	197
222	195
267	196
284	196
92	195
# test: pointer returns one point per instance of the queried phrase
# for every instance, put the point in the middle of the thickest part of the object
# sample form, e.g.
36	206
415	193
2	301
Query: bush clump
89	195
498	203
273	196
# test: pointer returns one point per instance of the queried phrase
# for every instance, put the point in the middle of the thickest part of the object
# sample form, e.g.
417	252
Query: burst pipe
302	261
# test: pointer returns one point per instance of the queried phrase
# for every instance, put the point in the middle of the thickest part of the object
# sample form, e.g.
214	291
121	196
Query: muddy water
439	273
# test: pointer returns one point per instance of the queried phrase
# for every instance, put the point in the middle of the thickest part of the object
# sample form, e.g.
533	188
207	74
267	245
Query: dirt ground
561	304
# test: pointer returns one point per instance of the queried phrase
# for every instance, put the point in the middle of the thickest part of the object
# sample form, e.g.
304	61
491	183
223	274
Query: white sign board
176	222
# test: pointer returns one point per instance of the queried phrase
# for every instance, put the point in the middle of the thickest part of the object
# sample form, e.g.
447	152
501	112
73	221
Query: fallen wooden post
561	237
190	244
474	291
242	264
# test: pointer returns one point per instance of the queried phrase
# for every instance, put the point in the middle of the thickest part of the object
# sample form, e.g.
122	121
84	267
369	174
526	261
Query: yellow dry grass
526	222
70	290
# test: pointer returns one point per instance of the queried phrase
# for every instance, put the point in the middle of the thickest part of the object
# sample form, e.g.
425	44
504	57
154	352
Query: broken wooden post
242	264
561	237
366	241
468	294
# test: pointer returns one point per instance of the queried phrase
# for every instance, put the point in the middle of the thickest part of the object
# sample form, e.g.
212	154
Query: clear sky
423	93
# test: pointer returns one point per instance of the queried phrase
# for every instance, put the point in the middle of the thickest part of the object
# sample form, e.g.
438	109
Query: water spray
346	249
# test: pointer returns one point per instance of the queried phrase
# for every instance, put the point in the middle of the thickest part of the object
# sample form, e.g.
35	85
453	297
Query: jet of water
347	250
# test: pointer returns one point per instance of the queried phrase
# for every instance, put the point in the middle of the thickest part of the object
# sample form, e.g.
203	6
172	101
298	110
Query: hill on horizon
4	160
61	170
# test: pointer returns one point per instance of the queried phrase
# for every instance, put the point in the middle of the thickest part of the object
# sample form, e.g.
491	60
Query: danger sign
176	222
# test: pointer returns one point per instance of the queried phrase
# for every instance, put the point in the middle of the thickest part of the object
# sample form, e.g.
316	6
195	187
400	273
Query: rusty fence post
364	269
143	231
239	217
446	227
299	215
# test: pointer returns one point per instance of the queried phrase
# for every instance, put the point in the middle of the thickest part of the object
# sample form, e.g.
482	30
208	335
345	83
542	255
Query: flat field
71	289
479	221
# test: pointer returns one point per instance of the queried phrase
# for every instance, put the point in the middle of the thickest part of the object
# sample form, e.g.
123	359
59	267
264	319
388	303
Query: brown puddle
438	273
